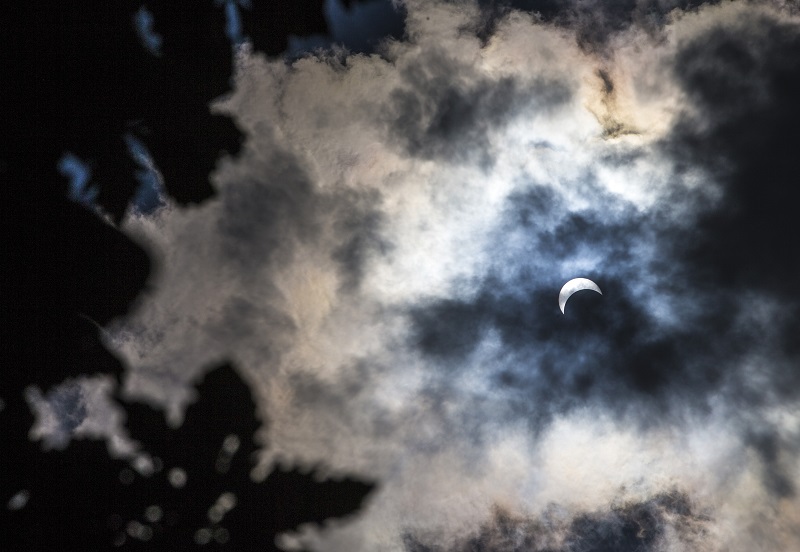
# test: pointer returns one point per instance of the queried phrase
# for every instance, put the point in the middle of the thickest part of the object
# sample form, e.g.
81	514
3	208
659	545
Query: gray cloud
742	79
594	22
630	526
445	111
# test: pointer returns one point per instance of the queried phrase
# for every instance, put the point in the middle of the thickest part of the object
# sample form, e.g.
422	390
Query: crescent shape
576	284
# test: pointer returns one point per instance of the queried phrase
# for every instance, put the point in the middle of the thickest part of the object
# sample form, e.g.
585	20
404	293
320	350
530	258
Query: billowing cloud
383	261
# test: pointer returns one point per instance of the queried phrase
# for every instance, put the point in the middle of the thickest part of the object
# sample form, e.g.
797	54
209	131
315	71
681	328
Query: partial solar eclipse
576	284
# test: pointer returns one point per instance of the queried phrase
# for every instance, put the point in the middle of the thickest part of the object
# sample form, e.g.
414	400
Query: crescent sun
576	284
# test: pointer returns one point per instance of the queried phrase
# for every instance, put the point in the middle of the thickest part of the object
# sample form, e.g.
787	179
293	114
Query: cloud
742	78
444	111
595	23
383	261
625	526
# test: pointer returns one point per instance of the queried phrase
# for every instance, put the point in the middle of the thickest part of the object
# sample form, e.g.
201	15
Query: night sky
342	228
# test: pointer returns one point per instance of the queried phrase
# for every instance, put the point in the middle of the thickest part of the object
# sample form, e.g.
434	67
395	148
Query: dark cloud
625	527
775	475
605	353
263	217
360	222
241	319
594	21
313	393
448	329
743	80
446	112
607	349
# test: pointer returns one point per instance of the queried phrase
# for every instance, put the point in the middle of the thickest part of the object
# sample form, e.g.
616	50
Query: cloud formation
383	260
632	526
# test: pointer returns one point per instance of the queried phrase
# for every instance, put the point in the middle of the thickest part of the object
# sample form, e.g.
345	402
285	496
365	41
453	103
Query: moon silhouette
576	284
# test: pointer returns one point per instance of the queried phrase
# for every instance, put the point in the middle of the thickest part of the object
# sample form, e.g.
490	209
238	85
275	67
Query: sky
382	261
